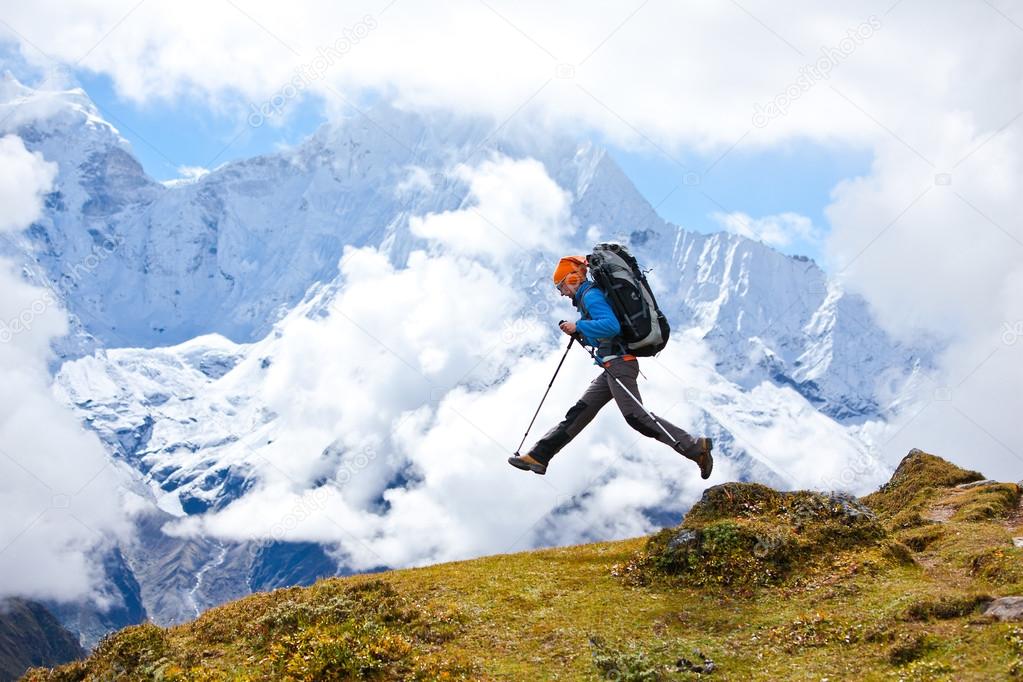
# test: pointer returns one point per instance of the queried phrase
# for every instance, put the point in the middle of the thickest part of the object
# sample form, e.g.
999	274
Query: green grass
844	599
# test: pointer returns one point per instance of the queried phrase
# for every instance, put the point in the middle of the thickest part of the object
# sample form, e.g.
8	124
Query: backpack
644	328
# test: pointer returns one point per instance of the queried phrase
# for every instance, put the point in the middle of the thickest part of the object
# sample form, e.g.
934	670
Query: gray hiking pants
601	390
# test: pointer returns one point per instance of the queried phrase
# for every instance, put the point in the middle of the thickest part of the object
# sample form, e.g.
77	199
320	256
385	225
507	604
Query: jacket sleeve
602	323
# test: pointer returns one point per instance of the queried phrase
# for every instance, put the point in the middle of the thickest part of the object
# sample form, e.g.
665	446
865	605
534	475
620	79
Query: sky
876	137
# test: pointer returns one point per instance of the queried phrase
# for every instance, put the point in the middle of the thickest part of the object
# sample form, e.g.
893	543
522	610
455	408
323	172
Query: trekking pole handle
575	337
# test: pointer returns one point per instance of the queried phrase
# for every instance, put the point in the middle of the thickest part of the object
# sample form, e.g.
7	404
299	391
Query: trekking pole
570	342
641	405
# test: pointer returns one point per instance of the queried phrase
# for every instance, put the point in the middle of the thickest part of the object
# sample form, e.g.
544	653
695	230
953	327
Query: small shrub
815	630
945	608
734	500
896	552
318	653
919	539
1000	565
916	647
880	633
76	671
925	671
1015	639
613	664
908	518
135	649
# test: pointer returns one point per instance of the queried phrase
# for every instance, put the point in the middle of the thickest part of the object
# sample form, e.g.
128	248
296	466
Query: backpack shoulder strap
580	303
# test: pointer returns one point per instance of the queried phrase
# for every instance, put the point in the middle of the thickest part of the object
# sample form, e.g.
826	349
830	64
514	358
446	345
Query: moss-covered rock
917	480
735	500
750	535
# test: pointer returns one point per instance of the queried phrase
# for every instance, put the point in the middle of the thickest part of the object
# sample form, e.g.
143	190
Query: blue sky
166	136
796	177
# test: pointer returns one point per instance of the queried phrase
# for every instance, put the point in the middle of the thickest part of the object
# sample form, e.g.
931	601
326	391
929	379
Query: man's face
567	289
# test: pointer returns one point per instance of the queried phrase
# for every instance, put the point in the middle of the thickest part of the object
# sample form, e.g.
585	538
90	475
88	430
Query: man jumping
599	328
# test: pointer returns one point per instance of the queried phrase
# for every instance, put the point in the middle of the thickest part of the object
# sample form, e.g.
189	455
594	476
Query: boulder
975	484
1005	608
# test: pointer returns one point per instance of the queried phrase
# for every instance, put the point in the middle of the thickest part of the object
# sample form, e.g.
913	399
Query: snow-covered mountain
184	295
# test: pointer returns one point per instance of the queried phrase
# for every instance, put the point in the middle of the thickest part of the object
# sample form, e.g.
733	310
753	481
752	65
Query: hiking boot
700	453
527	463
706	460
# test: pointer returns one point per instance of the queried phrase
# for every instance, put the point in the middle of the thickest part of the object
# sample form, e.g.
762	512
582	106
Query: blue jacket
599	326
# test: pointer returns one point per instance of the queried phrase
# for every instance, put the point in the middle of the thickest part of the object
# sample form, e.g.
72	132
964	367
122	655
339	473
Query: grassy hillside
754	585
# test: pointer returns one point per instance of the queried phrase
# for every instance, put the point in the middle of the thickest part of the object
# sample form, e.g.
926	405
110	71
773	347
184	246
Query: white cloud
516	208
192	172
779	230
417	180
188	174
669	72
24	177
58	492
937	249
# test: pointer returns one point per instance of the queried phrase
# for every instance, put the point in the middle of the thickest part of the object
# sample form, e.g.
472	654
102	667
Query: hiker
599	327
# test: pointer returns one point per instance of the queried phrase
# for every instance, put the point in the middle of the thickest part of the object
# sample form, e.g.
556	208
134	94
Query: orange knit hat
571	270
